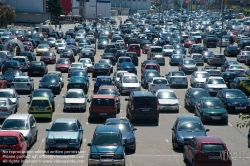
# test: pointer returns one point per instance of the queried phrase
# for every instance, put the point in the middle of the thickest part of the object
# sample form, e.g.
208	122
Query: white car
52	41
158	83
117	75
79	36
22	83
75	99
167	100
60	47
238	69
59	41
129	82
214	84
168	50
198	78
88	63
76	66
224	43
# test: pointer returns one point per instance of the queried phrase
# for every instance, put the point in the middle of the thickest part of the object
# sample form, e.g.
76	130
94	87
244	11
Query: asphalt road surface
153	142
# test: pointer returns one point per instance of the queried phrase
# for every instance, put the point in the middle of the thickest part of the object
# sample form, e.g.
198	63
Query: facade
67	6
103	8
133	5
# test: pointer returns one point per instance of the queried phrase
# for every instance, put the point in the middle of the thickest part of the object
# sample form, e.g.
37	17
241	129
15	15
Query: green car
40	107
211	109
78	82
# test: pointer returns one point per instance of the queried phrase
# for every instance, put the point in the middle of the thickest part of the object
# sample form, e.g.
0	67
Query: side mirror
80	130
88	100
207	130
47	129
89	144
126	99
134	129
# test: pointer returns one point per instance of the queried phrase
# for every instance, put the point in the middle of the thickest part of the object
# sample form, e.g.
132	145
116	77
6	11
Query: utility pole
222	13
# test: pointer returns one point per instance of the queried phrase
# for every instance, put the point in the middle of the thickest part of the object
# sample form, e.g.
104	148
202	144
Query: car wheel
248	142
184	156
29	146
134	149
36	137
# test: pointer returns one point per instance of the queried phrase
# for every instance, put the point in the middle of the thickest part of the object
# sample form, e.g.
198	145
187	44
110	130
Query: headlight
130	140
224	114
73	140
205	114
50	140
94	156
118	156
229	104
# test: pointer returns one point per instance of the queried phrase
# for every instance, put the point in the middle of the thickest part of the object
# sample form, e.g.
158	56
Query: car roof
107	129
210	98
209	139
189	118
65	120
9	133
142	93
19	116
108	87
102	96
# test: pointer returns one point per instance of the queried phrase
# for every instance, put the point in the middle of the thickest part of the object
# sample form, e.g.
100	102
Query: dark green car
78	82
211	109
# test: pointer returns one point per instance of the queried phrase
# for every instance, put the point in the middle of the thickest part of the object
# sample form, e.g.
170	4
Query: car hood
168	101
62	65
75	100
62	135
24	132
186	134
214	110
236	101
106	149
14	100
216	85
130	85
127	135
200	79
190	66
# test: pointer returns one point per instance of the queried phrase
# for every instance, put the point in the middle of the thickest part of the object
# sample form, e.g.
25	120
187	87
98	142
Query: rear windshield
160	81
103	102
151	67
134	47
8	140
40	103
212	147
219	56
121	60
145	102
156	49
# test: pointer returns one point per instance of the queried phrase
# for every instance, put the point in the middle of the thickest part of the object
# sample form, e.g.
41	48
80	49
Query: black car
198	49
102	43
9	75
231	51
30	55
211	42
51	81
110	56
180	46
43	92
192	96
234	100
120	53
132	41
206	54
228	77
242	83
133	57
37	68
148	76
100	69
227	63
127	130
185	128
11	65
71	33
110	48
175	59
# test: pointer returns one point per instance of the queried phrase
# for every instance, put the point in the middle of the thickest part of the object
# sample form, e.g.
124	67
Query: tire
184	156
30	143
248	142
133	150
173	145
36	137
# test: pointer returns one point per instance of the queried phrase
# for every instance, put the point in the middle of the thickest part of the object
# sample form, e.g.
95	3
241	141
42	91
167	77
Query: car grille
215	114
106	157
61	141
240	105
74	103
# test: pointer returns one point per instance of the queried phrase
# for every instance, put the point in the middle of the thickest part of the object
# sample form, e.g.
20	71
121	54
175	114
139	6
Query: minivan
154	50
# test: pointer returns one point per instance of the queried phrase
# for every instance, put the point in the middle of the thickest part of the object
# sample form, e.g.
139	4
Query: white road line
167	141
130	162
57	107
230	124
24	107
83	145
87	123
38	150
157	155
173	153
121	110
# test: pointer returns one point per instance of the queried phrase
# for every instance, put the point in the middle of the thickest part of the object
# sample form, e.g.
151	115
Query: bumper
153	115
102	115
4	115
167	107
216	118
66	146
178	84
37	114
167	53
94	162
79	107
234	109
62	69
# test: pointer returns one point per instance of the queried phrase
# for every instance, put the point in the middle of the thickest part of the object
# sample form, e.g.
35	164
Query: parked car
37	68
168	101
75	100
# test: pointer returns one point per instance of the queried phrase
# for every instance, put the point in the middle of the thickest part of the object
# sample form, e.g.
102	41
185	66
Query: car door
32	129
80	127
23	144
11	105
192	78
174	130
198	107
187	97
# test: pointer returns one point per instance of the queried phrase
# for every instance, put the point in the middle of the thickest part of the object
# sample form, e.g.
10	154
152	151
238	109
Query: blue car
129	66
65	133
102	80
82	73
71	41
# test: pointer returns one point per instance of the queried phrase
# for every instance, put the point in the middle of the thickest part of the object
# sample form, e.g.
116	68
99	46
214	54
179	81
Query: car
175	59
198	78
8	107
206	54
212	70
177	78
11	65
102	43
127	130
242	56
51	81
159	58
133	57
167	100
223	42
52	41
211	150
22	83
100	69
144	63
231	51
211	109
128	66
24	123
37	68
102	107
24	62
234	100
121	60
62	65
30	55
128	83
41	48
68	53
48	57
120	53
9	75
154	50
106	143
187	65
168	50
228	77
40	107
158	83
12	140
74	99
88	63
214	84
242	83
145	48
109	56
102	80
78	82
151	66
227	63
3	82
189	42
73	48
60	47
147	76
108	62
82	73
58	137
216	59
238	69
117	75
87	54
184	129
197	58
76	66
210	42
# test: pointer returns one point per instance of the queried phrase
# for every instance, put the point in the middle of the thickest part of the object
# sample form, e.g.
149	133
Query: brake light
132	105
167	85
42	67
152	85
24	64
4	110
49	108
31	109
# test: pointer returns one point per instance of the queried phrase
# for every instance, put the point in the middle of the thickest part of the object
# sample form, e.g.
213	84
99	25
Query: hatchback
22	83
128	66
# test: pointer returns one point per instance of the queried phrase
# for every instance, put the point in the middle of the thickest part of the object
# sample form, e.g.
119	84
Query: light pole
222	14
181	20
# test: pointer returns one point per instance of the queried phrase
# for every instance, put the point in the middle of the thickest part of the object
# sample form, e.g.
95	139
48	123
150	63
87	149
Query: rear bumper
102	115
43	114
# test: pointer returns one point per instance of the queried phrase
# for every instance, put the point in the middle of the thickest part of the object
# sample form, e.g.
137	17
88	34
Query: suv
187	65
142	105
107	147
154	50
102	106
211	42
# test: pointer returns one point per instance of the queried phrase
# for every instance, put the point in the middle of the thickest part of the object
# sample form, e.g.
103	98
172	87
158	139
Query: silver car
24	123
212	70
75	99
76	66
168	50
160	59
10	94
60	47
238	69
7	108
129	82
177	78
198	78
88	63
214	84
197	58
22	83
116	77
24	62
242	56
59	41
52	41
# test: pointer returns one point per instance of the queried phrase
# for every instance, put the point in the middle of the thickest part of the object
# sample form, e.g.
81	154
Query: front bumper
168	107
216	118
49	145
97	162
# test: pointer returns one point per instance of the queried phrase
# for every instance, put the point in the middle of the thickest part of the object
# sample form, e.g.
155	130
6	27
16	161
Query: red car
189	42
134	48
13	147
63	64
145	48
48	57
3	83
30	45
206	150
151	66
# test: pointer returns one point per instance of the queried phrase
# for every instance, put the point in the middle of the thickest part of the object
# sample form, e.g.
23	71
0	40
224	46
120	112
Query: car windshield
42	47
130	80
166	95
76	65
101	65
75	95
11	73
8	140
19	59
153	74
236	67
189	62
178	73
106	140
15	124
235	95
63	61
202	75
212	147
103	80
212	104
41	94
86	61
156	49
216	81
121	60
7	94
77	79
108	92
20	80
122	127
190	127
160	81
49	79
60	126
79	73
103	102
199	94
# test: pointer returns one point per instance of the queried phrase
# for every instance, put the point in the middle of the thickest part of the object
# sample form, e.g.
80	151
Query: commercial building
125	7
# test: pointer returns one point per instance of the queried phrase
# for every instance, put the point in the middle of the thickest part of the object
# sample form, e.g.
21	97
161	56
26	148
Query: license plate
62	146
63	68
77	86
40	109
213	157
216	118
106	163
102	113
99	70
75	106
144	110
35	72
240	108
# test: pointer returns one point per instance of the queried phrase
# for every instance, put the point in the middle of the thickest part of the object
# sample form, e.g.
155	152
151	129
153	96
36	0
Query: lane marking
57	107
230	124
24	107
38	150
82	146
167	141
121	110
173	154
87	123
130	162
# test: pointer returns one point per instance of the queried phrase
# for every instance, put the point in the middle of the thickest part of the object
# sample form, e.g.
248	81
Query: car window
75	95
20	80
160	81
15	124
103	102
199	94
216	81
145	102
40	103
235	95
130	80
202	75
64	127
190	126
106	140
212	147
212	104
108	92
122	127
8	140
178	74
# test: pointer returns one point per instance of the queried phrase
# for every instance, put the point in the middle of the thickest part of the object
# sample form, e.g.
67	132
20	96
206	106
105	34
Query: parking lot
154	146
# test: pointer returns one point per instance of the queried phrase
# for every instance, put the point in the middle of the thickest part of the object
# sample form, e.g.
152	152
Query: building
67	6
131	6
103	8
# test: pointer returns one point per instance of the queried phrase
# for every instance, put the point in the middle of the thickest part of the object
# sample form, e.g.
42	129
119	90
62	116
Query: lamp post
181	21
222	21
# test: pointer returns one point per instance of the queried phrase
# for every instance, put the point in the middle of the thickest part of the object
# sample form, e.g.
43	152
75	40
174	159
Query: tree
54	7
7	15
246	120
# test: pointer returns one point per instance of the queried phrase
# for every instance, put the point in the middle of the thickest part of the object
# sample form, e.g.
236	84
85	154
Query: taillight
152	85
4	110
167	85
28	84
49	108
42	67
132	105
31	109
24	64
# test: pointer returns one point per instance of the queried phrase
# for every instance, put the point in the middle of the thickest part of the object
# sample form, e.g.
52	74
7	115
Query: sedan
7	108
242	56
102	80
129	66
211	109
227	63
9	75
167	100
158	83
60	47
175	59
48	57
238	69
216	59
214	84
51	81
147	76
102	43
75	99
88	63
41	48
185	128
52	41
189	42
37	68
231	51
100	69
177	78
22	83
76	66
198	78
78	82
63	64
168	50
67	130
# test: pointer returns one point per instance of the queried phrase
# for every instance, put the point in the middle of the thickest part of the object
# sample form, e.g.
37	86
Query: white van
154	50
